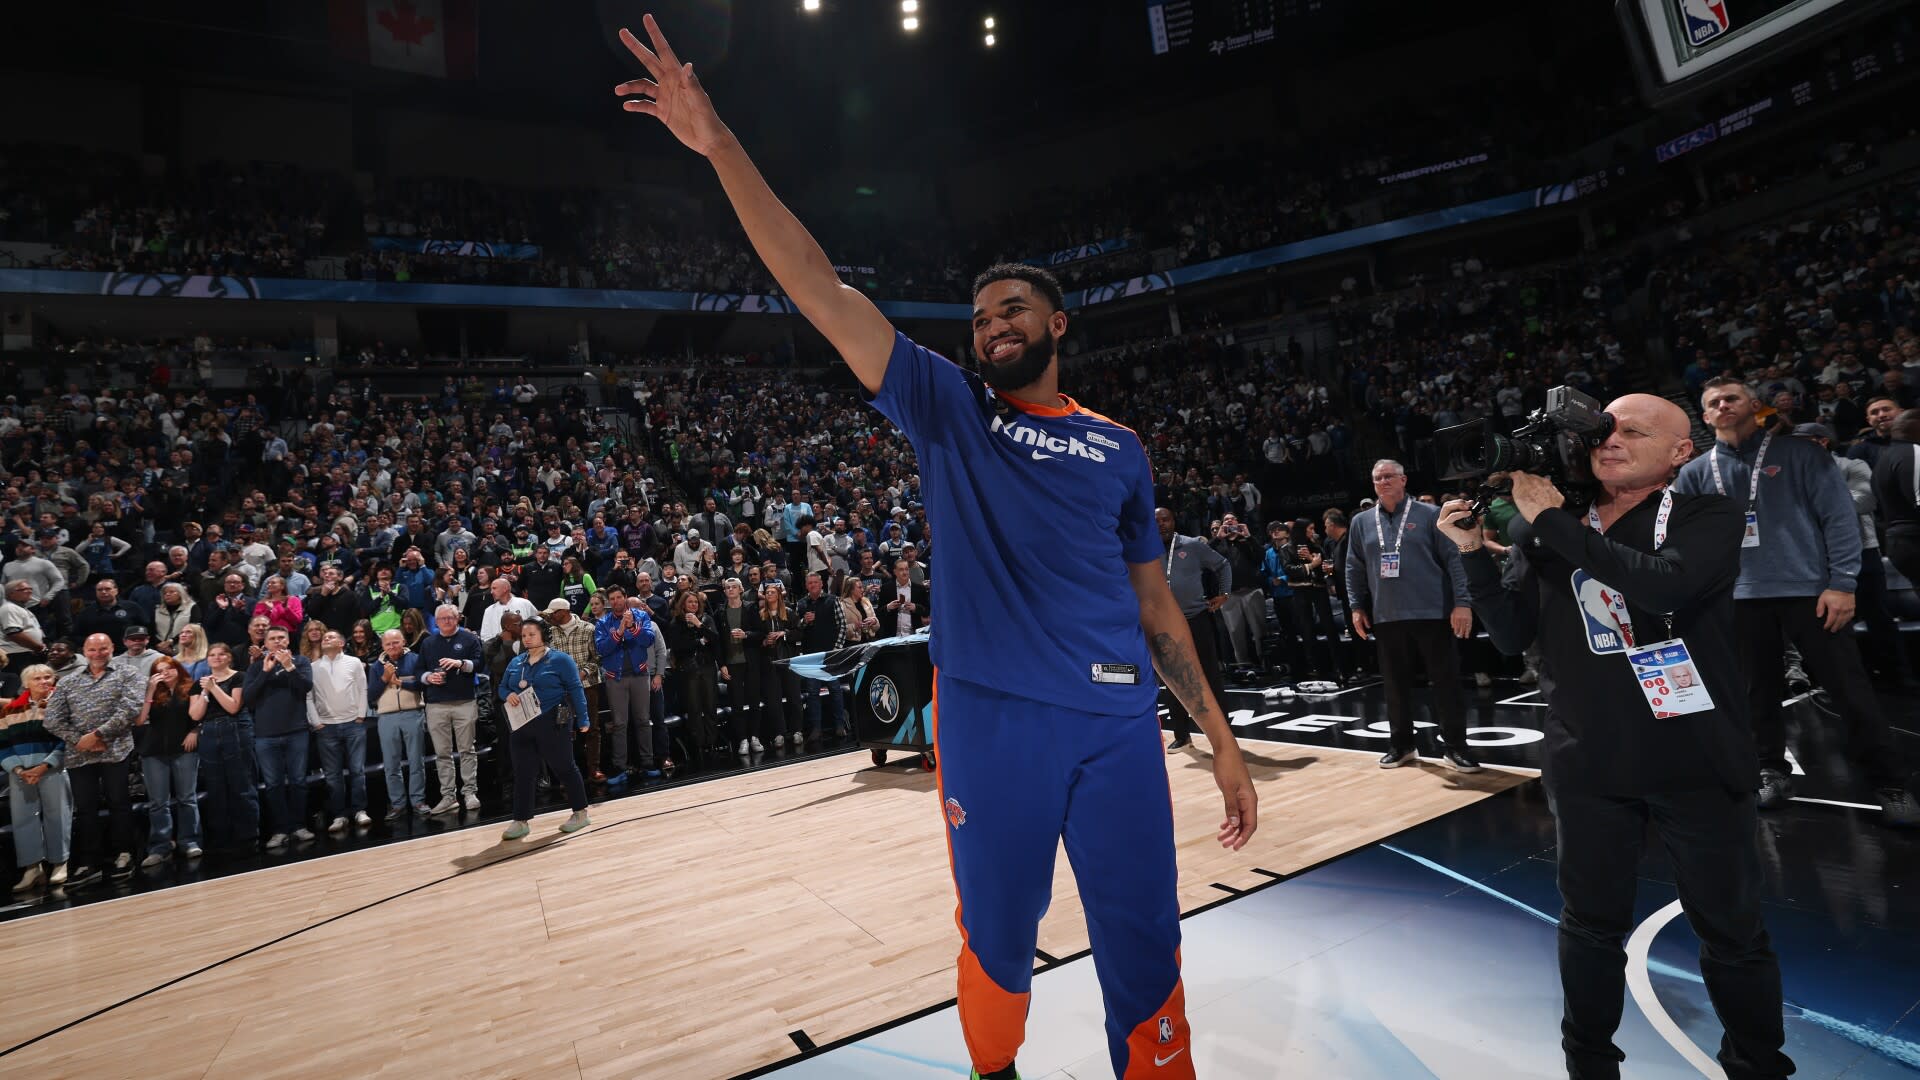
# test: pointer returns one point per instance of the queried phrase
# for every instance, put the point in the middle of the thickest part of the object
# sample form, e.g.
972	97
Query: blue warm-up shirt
1038	511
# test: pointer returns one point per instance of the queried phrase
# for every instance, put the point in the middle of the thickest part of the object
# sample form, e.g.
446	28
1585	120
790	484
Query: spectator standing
276	689
94	712
623	639
694	643
231	814
823	628
39	795
168	738
394	696
1407	588
452	656
337	711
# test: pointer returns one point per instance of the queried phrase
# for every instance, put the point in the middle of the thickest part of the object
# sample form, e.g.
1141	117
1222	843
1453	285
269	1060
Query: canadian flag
426	37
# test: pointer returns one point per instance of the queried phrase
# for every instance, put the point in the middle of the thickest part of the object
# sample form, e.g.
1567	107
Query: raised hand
674	95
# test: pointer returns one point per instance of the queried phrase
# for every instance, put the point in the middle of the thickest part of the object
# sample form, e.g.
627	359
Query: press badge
1390	564
1123	674
1751	538
1669	679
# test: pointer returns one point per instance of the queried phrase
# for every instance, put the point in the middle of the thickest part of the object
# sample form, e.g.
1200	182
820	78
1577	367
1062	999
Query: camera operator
1405	586
1622	749
1799	564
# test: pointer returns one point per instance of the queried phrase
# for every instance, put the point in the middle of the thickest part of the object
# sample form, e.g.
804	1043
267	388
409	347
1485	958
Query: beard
1014	374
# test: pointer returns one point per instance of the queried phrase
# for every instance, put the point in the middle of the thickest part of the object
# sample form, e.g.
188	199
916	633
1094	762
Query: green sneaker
1007	1073
575	823
516	831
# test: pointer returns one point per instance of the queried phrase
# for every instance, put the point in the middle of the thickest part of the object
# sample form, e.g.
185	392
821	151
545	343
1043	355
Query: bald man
1800	556
1627	744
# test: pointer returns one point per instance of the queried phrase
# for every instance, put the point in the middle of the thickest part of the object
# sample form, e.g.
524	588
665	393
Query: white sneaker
471	802
276	841
158	858
1482	680
193	851
30	880
742	748
1529	677
757	748
798	738
446	805
338	825
779	741
361	819
59	875
303	834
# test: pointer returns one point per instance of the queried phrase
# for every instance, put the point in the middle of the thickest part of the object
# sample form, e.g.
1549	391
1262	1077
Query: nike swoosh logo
1159	1061
1038	456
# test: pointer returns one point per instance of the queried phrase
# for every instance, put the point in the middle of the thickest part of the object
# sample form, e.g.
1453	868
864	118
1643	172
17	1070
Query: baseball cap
137	631
1815	431
559	603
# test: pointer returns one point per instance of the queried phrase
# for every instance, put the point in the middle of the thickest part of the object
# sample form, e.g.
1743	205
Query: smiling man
1045	727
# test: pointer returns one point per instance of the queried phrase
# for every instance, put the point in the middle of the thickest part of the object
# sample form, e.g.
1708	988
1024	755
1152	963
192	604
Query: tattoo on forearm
1179	668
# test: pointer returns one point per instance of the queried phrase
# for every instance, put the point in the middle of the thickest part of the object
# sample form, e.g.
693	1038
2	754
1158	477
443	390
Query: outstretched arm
841	313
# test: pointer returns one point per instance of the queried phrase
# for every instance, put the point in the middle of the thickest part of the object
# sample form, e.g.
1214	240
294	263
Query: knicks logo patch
956	816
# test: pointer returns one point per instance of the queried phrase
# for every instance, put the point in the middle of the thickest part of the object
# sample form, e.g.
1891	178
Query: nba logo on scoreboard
1705	19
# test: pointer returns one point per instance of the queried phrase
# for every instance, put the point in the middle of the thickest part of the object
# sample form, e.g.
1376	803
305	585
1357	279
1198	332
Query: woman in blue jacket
553	678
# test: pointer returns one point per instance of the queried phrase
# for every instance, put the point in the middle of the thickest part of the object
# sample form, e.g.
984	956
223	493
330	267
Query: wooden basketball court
689	933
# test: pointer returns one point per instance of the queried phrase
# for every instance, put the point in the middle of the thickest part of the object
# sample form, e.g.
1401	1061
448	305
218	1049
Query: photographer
1799	567
1621	749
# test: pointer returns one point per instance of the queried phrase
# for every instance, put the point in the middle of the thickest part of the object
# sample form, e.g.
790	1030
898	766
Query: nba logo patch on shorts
1166	1030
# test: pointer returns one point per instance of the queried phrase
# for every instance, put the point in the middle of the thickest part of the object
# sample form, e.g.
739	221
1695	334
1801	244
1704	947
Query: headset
545	627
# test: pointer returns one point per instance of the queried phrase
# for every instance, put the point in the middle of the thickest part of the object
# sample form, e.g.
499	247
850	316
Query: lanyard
1380	526
1617	604
1753	484
1171	544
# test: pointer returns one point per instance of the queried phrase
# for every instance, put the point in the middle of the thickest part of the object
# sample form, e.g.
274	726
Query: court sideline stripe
533	850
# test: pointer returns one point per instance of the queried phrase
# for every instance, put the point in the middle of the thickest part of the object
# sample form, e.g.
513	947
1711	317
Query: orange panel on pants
1017	777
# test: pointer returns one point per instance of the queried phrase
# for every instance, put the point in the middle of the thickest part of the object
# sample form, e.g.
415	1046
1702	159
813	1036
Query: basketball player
1053	602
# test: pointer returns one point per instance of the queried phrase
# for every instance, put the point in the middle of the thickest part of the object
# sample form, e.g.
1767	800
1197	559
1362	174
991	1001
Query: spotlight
909	23
989	41
810	5
908	7
989	22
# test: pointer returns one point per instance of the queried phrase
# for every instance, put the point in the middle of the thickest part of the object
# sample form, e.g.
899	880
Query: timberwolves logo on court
956	817
884	696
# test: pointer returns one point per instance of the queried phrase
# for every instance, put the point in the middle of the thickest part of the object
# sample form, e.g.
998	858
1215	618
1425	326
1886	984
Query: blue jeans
401	735
232	810
173	790
42	818
283	775
836	705
343	758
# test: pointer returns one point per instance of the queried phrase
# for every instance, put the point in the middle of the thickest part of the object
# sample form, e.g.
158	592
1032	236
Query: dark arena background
320	316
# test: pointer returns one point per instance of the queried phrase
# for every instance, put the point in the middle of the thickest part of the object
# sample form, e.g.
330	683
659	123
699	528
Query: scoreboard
1219	26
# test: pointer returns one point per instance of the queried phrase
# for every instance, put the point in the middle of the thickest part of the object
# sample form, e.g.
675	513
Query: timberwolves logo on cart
1705	19
884	696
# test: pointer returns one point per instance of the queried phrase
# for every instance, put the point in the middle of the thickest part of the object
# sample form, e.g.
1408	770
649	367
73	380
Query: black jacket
541	581
1601	733
338	611
917	595
691	647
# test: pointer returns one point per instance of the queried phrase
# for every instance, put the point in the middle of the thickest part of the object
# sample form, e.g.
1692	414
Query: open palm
673	95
